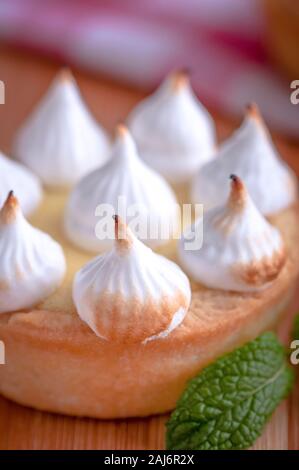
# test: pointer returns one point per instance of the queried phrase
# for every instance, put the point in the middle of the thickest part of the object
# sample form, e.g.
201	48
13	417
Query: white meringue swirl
250	154
130	293
60	141
124	176
174	132
241	251
32	263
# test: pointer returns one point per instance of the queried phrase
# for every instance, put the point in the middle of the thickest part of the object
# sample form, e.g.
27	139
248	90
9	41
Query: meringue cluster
125	180
174	132
61	141
250	154
241	251
130	293
32	263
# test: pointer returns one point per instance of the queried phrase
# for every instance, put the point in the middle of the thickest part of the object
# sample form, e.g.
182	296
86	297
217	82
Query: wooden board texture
26	77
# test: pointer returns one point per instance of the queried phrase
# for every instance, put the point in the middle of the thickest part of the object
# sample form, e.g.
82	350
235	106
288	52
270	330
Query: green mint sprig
227	405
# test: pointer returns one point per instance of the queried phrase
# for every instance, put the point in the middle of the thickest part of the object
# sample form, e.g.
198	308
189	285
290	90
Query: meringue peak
63	89
180	79
121	131
32	264
10	208
131	189
61	141
250	153
174	133
253	114
241	251
65	75
123	145
138	297
123	234
238	193
252	111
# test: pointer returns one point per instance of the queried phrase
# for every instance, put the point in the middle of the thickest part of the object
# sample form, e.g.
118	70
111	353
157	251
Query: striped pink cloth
139	41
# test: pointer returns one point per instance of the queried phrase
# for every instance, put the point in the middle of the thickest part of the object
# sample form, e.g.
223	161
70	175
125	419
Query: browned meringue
131	293
241	251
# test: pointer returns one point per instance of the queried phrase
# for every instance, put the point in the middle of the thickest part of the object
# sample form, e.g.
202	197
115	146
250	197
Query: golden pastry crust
55	362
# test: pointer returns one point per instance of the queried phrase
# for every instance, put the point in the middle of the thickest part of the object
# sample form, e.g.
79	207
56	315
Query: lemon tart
55	361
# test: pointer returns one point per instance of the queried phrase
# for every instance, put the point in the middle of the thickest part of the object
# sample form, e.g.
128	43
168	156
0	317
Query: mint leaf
227	405
295	334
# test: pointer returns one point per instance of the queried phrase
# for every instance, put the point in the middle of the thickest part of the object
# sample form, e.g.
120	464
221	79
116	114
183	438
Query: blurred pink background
139	41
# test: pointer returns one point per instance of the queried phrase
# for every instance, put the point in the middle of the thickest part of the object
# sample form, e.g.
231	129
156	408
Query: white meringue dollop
174	132
124	185
14	176
249	153
241	251
32	263
61	141
131	293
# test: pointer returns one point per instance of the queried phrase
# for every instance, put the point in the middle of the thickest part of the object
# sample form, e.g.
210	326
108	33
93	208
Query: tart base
54	362
67	371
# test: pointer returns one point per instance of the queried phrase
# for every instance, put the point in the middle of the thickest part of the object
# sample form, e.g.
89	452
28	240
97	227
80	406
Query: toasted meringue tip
253	111
238	192
9	207
180	78
120	227
11	200
121	130
236	182
65	74
233	177
123	235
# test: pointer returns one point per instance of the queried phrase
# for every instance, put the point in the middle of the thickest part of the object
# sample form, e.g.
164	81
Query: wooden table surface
26	77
